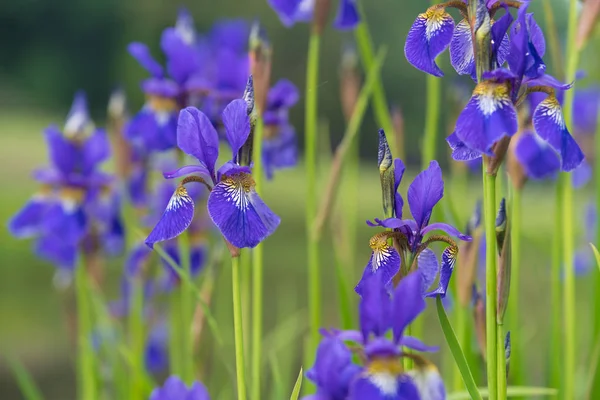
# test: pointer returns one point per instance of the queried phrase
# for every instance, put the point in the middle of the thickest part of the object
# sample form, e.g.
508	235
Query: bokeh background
50	49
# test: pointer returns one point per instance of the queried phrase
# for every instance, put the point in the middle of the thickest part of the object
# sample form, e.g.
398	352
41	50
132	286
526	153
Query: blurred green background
49	49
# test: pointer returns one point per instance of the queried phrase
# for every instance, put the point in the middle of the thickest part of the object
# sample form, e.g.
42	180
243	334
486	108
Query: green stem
246	276
568	239
240	364
516	367
136	337
432	120
552	35
86	365
596	384
491	256
501	359
187	304
314	284
460	322
380	106
257	270
555	349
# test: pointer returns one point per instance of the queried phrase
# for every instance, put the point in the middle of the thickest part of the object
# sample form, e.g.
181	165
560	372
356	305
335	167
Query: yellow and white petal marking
428	381
179	199
383	373
382	251
435	17
237	187
71	197
491	97
550	107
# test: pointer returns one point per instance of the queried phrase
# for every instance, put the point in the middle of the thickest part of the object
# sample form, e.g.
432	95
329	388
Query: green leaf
28	388
596	254
457	353
511	391
297	386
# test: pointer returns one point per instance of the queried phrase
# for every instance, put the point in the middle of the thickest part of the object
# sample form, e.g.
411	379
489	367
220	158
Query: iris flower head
175	389
233	204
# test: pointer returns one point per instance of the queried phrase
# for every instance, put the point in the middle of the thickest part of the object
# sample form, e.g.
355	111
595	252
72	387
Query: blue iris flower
175	389
292	11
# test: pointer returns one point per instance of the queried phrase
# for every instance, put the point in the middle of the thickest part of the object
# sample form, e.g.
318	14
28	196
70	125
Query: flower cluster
381	374
233	204
76	210
506	61
411	237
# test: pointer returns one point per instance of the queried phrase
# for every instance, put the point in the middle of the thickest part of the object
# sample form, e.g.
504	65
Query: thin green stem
257	271
380	105
514	324
432	119
491	256
86	364
311	125
555	349
246	284
501	359
596	384
240	365
136	338
568	239
187	309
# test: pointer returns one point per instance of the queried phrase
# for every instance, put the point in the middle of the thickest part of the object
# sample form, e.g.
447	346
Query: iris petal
176	218
239	213
58	252
539	160
383	264
415	344
28	221
408	303
424	192
96	149
448	261
399	169
197	137
461	50
292	11
429	36
64	154
460	151
428	268
374	309
550	125
237	124
449	229
582	175
383	386
347	16
141	53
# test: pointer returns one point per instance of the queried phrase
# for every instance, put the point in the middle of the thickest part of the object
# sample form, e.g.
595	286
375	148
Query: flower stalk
86	365
238	329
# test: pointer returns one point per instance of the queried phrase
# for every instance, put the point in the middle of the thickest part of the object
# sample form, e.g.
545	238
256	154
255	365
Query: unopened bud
350	81
587	21
398	124
386	175
481	26
321	15
507	351
245	152
260	64
504	262
479	320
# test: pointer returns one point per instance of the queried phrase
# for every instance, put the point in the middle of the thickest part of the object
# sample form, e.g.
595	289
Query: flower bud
386	175
587	21
245	152
260	64
321	15
481	26
350	81
479	320
504	262
507	351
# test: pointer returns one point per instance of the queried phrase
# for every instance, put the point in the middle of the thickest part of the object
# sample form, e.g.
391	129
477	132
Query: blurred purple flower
292	11
175	389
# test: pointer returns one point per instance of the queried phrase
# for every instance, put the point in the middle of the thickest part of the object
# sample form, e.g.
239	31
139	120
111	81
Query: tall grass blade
27	385
297	386
511	391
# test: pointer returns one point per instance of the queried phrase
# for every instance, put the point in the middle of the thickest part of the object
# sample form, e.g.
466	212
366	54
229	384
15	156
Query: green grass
32	313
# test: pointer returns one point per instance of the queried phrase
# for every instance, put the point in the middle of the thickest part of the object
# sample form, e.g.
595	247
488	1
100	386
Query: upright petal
374	309
489	116
64	154
428	37
197	137
461	50
96	149
408	303
549	123
178	45
237	124
283	94
347	16
539	160
239	213
176	218
79	117
424	192
141	53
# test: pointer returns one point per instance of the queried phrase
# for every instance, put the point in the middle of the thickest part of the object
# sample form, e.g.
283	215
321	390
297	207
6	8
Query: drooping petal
176	218
28	221
383	264
460	151
424	192
449	229
489	116
415	344
197	137
429	382
428	268
428	37
374	309
66	221
408	303
581	175
237	124
448	260
347	16
549	123
383	385
239	213
60	253
141	53
539	160
461	50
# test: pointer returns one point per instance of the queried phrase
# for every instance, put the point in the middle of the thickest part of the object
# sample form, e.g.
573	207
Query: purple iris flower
280	148
292	11
74	195
233	204
175	389
426	190
383	376
156	355
539	160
